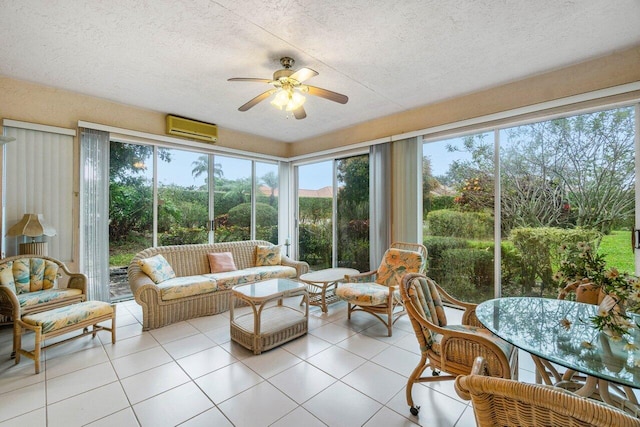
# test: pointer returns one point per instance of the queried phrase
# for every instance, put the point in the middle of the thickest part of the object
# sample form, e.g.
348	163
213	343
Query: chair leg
415	375
17	331
348	310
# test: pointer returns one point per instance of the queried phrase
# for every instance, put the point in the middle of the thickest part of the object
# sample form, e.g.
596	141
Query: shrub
536	254
441	202
468	273
470	225
241	215
183	236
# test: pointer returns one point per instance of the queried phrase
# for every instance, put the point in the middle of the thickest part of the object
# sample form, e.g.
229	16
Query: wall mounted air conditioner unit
187	128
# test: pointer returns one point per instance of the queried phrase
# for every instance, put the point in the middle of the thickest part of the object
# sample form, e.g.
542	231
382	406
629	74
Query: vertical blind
94	212
39	179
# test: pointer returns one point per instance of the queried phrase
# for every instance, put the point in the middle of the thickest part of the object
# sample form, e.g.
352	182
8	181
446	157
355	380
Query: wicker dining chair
376	292
446	348
503	402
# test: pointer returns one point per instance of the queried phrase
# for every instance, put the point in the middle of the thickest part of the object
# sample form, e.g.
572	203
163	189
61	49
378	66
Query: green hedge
469	225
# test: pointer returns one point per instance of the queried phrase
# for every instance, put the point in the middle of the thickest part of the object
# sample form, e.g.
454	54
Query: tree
201	165
586	164
353	176
270	179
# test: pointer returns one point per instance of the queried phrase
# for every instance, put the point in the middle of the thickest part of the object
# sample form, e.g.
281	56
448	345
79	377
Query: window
333	219
560	181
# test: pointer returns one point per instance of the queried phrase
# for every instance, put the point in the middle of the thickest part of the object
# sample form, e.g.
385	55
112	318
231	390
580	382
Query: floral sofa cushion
273	272
180	287
30	299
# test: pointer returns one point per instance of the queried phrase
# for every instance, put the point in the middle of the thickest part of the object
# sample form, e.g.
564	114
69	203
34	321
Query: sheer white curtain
94	212
407	190
39	179
380	202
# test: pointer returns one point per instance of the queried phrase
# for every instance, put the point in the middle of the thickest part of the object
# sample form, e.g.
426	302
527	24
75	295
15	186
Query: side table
268	323
322	285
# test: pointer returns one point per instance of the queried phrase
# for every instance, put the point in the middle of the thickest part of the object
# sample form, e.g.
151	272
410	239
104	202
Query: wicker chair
502	402
376	292
449	348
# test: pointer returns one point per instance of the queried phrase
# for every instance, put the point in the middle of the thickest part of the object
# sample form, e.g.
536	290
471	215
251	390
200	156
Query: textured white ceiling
175	56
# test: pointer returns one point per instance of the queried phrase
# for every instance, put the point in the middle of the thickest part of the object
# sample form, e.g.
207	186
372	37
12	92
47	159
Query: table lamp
32	225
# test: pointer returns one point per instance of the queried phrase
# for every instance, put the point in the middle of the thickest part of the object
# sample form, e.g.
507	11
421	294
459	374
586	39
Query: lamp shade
31	225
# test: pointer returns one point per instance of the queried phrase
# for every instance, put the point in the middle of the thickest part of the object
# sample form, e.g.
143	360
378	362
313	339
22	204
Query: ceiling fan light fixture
295	101
281	99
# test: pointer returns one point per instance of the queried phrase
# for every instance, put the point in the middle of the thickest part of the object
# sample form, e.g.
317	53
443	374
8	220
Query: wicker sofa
191	263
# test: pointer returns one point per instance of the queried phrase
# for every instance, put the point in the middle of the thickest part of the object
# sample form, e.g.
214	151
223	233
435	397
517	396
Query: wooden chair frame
393	309
458	349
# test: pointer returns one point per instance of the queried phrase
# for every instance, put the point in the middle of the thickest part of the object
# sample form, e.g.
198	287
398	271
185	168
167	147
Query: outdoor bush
468	273
470	225
231	233
441	202
436	246
537	254
315	243
183	236
241	215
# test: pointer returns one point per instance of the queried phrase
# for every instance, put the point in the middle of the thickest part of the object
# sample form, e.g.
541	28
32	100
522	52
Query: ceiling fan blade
254	101
327	94
248	79
299	113
303	74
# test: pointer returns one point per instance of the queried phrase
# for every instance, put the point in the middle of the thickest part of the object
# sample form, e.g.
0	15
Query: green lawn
619	253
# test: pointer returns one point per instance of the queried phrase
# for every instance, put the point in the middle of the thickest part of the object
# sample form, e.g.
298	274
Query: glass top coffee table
267	322
322	285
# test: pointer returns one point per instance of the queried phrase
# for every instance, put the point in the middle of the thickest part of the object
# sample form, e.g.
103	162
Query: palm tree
270	179
201	166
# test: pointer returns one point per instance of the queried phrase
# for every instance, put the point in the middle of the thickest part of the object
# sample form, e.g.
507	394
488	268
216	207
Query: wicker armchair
449	348
502	402
34	283
376	292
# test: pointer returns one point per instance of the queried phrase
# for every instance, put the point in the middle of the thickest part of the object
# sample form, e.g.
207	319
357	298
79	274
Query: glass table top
561	331
268	288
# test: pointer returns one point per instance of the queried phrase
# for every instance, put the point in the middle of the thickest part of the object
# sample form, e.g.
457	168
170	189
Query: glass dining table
561	332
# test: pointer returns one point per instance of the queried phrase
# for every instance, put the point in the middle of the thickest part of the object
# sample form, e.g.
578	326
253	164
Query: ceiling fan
288	88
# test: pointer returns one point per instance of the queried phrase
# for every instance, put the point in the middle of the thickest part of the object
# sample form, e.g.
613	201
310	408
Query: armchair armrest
368	276
469	316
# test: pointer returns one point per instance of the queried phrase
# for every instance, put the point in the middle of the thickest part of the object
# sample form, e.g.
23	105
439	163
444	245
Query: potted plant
616	293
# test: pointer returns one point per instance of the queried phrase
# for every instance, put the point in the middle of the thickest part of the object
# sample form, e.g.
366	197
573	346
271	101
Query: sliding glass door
333	213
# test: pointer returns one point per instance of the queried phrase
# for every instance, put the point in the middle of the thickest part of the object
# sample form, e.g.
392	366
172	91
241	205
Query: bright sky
311	176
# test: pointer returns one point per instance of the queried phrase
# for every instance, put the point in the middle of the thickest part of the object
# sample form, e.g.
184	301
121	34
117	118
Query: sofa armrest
9	304
300	266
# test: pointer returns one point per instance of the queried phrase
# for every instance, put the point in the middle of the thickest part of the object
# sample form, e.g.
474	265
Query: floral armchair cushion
395	264
268	255
29	275
157	268
426	299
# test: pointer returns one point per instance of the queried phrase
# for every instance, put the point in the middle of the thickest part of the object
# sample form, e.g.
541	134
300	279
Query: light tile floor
342	373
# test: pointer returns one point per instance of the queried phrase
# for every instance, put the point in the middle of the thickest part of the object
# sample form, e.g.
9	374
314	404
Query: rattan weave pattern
503	402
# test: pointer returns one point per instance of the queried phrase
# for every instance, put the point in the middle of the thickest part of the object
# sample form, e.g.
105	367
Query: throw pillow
268	255
219	262
157	268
